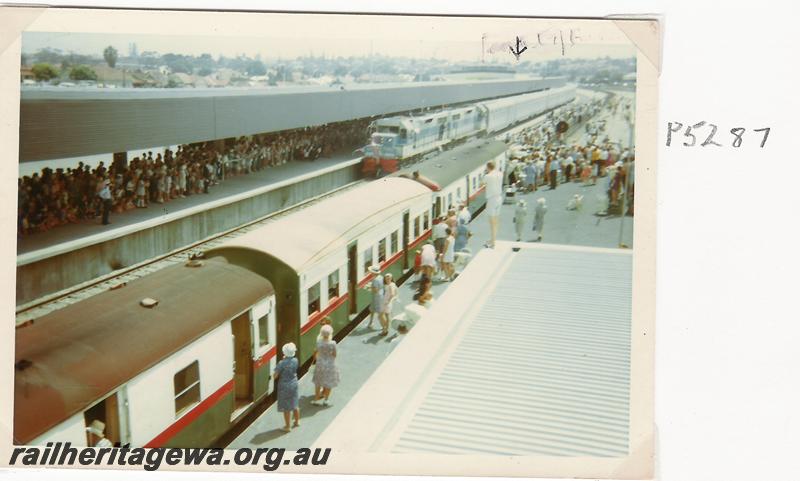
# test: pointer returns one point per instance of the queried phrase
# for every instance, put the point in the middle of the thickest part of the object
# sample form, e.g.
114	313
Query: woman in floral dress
326	374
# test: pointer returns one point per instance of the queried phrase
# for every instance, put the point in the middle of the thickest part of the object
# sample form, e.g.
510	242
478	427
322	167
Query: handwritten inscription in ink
561	39
709	133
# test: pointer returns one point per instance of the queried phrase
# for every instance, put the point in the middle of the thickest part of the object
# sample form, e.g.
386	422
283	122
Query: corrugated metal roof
543	369
527	353
61	123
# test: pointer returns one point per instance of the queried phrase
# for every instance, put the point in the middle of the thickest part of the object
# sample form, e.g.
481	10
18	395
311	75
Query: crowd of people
543	159
66	196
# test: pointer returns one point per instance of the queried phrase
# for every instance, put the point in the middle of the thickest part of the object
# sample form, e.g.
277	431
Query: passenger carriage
457	175
176	373
179	356
317	259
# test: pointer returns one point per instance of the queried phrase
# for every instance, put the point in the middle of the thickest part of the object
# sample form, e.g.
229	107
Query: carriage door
107	412
437	207
352	276
405	239
242	361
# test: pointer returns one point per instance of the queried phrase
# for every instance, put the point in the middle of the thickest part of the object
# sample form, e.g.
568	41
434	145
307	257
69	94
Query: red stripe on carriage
420	239
190	416
265	358
316	318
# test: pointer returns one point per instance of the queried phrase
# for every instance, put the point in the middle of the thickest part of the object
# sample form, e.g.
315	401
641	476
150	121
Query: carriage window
416	227
263	330
402	133
395	236
313	299
187	387
426	220
474	183
449	200
333	284
382	250
367	259
456	117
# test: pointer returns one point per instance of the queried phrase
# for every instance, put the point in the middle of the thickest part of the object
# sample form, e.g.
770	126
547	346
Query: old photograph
400	244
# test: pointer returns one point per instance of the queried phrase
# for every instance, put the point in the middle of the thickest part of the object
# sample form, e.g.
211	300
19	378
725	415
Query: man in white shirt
105	196
439	234
494	198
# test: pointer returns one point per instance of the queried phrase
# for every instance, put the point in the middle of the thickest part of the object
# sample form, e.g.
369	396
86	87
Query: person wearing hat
97	437
286	378
376	287
389	298
105	196
326	374
520	214
538	217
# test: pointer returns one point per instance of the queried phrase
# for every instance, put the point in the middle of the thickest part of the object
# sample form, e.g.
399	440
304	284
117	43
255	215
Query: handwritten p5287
694	134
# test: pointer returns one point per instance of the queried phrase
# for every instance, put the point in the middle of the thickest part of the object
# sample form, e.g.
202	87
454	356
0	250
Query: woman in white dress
449	255
389	298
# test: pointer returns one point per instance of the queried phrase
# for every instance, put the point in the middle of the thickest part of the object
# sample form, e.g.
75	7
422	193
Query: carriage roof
452	165
85	351
312	233
516	99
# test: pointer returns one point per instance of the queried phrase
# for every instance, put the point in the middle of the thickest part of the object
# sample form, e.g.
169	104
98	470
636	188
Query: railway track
29	312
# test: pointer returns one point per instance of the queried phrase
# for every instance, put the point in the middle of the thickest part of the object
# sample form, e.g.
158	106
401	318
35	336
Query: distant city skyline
545	47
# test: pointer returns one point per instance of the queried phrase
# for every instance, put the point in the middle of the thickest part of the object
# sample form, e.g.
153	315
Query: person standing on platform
105	197
326	374
377	289
439	233
182	174
448	256
389	298
464	217
494	199
538	217
554	166
286	378
462	233
530	176
520	215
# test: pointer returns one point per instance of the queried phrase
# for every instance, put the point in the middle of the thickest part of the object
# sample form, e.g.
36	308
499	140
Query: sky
289	36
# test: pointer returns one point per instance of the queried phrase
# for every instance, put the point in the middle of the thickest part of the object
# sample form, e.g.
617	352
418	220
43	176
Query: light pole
629	119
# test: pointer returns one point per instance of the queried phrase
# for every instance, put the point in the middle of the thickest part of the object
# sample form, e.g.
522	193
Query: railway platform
72	254
363	352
